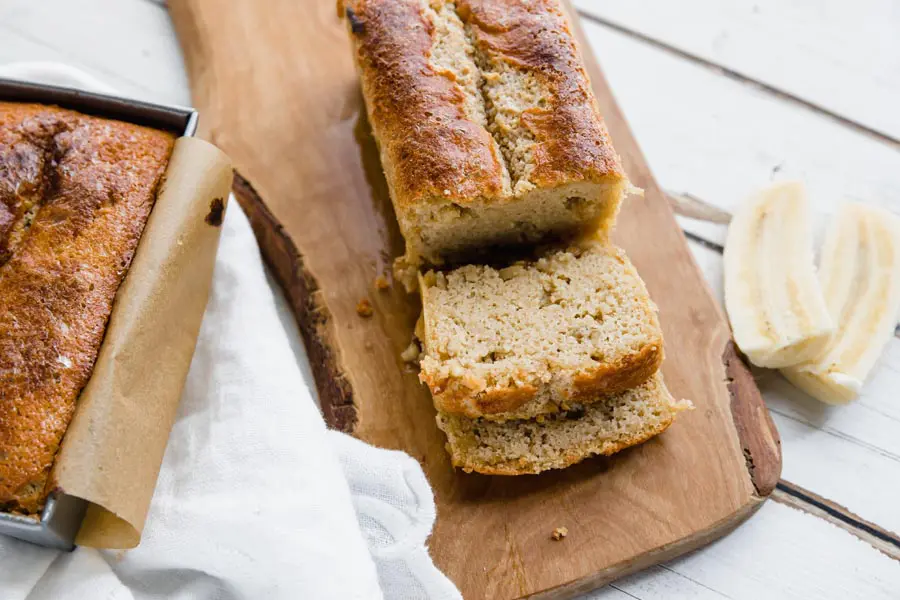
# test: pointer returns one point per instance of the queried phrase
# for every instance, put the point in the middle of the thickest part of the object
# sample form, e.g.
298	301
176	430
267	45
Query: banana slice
860	277
777	311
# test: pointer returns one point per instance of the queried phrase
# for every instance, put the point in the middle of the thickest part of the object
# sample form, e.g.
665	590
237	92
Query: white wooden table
723	97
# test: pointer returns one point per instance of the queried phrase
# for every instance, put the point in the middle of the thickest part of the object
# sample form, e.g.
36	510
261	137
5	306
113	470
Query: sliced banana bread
558	441
487	126
539	336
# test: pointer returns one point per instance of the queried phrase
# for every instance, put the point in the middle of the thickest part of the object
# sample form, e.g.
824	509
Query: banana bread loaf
75	193
538	336
488	130
555	442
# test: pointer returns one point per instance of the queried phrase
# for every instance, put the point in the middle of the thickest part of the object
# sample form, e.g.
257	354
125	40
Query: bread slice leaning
538	337
531	446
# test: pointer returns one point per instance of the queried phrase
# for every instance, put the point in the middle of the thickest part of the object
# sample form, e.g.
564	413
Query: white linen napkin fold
255	499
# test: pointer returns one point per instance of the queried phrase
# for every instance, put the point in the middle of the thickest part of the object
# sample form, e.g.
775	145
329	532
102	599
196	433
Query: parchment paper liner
113	448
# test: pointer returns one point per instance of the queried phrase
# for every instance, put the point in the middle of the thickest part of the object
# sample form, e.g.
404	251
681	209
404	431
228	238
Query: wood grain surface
278	92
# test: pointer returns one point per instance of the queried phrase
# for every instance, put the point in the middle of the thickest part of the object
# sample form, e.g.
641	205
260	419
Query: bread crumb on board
412	353
559	533
364	308
381	283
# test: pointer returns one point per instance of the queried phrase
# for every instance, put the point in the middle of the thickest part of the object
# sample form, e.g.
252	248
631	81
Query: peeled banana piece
860	278
777	310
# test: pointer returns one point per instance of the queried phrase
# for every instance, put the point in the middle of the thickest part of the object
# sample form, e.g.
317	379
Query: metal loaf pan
62	514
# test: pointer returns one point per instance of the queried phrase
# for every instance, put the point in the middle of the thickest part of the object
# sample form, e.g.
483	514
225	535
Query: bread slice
488	130
528	447
539	336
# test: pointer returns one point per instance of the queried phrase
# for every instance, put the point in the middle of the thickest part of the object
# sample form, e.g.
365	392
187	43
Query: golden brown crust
572	141
429	147
427	143
608	379
454	397
90	184
523	466
464	171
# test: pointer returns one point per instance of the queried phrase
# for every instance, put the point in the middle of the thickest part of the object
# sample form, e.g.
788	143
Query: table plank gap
747	80
694	581
694	237
729	140
689	205
620	590
883	540
782	552
837	434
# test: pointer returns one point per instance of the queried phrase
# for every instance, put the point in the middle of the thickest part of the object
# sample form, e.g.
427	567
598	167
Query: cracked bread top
537	337
475	104
540	100
421	87
75	193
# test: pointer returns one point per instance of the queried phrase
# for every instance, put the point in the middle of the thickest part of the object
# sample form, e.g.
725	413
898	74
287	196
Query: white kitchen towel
255	499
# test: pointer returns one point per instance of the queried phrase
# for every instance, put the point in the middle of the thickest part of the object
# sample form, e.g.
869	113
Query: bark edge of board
302	291
759	438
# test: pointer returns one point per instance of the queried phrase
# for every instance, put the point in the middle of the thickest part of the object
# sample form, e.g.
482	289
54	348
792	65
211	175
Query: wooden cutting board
276	89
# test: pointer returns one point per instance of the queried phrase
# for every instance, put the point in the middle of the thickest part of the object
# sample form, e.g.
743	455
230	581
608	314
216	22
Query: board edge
303	293
757	434
670	551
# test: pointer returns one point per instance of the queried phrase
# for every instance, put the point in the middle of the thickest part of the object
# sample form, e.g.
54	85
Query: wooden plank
780	553
874	418
838	59
849	470
848	454
790	494
129	44
720	140
327	267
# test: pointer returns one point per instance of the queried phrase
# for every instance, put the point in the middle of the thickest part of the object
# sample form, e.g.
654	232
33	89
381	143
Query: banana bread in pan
75	194
487	126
